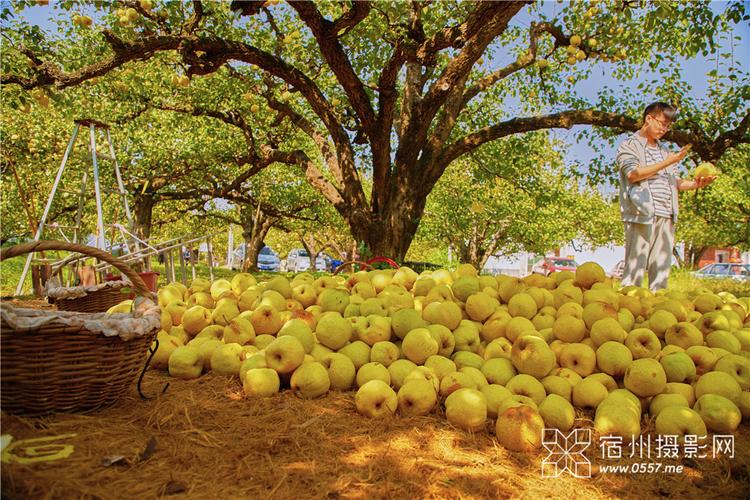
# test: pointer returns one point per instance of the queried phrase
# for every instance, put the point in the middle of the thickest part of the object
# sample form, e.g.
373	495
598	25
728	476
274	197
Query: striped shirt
658	184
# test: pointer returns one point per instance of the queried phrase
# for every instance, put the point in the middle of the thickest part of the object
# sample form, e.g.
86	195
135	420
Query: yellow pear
261	382
195	319
167	345
376	399
520	429
341	371
226	360
416	397
185	362
266	320
310	380
466	409
399	370
557	412
239	331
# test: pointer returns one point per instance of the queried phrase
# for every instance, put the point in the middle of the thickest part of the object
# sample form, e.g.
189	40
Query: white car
267	259
298	261
617	271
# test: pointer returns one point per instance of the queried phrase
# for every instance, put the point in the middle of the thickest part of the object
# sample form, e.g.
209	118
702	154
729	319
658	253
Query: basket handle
44	245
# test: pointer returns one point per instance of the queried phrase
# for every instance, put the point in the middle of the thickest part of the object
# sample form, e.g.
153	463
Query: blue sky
578	153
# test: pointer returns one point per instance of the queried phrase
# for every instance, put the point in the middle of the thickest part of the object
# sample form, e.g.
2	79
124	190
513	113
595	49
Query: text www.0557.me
642	468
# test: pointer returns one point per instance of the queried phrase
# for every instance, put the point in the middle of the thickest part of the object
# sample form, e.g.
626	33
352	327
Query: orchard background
370	125
412	130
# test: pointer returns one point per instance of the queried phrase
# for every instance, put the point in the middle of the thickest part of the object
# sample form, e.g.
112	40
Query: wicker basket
72	361
97	300
90	299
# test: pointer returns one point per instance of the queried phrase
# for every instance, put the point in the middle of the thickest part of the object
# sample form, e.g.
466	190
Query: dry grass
211	442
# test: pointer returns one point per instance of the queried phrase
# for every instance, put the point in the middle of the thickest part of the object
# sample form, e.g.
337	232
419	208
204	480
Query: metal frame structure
92	125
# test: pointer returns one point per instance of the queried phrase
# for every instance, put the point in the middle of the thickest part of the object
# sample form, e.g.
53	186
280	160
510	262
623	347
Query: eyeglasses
666	125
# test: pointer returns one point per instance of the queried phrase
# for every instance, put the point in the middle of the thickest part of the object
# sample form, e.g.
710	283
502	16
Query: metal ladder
93	125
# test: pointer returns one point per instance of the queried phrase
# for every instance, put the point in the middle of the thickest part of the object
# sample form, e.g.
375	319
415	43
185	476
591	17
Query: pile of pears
522	354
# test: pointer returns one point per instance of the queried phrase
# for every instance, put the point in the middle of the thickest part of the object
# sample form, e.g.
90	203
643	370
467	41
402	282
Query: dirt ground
203	439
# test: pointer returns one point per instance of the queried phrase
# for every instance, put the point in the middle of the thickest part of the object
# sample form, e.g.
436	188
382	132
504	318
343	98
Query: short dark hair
669	111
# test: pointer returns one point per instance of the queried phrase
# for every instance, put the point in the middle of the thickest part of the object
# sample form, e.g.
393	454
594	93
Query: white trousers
648	248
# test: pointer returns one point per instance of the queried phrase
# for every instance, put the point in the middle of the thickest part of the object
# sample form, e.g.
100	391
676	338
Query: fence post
210	259
183	271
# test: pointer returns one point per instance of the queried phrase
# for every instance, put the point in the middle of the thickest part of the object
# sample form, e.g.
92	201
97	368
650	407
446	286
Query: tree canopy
371	102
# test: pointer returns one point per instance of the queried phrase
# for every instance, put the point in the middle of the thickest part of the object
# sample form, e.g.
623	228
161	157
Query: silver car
298	261
724	270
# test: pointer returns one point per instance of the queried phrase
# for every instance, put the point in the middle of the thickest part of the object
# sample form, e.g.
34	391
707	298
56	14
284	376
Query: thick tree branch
326	35
358	11
231	117
729	139
225	50
267	156
195	20
247	7
381	139
48	73
703	146
200	195
474	47
496	16
456	36
132	116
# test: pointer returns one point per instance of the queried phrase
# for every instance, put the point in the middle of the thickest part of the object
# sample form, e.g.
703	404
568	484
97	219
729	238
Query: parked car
724	270
298	260
267	259
554	264
617	271
330	263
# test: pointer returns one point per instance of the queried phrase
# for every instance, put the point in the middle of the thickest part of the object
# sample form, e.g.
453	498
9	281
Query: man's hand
704	181
700	182
680	155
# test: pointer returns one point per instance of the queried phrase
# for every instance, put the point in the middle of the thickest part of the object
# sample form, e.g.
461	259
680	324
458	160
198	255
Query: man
648	197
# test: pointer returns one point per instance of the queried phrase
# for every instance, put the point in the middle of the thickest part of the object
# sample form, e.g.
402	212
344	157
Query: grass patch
10	273
680	280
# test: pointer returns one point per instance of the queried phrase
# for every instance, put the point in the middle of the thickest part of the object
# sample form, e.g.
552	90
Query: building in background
716	254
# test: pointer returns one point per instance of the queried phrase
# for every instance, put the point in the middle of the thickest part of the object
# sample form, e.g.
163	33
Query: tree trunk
483	260
677	258
464	253
308	241
143	209
695	257
26	201
390	233
255	227
253	246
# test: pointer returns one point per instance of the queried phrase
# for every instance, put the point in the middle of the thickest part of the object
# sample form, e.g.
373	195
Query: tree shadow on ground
210	441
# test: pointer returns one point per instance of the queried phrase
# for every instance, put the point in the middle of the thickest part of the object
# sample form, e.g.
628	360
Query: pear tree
515	195
394	92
